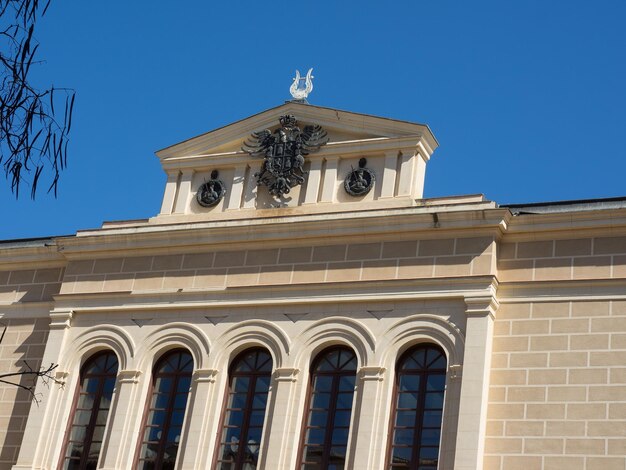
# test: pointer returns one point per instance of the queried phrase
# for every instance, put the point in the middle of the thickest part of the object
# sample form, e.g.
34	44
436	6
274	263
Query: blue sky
527	99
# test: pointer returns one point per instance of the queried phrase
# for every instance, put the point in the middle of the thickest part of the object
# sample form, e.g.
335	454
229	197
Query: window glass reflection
87	425
325	437
244	413
418	407
164	418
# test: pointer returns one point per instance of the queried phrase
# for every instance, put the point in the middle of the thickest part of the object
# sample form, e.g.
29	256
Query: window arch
324	441
90	410
244	410
415	429
165	411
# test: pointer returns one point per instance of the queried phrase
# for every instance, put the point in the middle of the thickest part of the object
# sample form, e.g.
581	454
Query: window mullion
91	426
330	424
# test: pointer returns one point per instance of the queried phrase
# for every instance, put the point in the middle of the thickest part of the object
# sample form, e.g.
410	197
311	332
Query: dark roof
577	205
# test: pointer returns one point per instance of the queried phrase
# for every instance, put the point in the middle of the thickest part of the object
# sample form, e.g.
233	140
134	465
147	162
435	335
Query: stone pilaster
470	442
281	437
368	443
118	449
202	414
39	440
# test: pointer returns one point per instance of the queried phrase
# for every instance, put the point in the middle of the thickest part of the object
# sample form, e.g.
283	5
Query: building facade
309	309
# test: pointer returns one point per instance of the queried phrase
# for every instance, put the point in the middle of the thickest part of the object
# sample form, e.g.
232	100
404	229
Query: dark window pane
250	377
87	425
257	417
340	436
344	400
436	383
409	383
403	437
333	375
407	400
417	414
262	384
346	383
163	425
401	455
342	418
315	436
323	383
241	384
432	418
238	400
434	400
405	418
259	401
435	359
321	400
430	437
234	418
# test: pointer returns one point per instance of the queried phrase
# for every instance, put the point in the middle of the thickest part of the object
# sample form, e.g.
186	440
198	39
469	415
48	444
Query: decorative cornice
60	376
286	374
205	375
481	306
455	372
457	288
61	319
128	376
372	373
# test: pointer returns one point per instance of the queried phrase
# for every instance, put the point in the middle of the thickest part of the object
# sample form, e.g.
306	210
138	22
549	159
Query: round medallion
211	192
359	181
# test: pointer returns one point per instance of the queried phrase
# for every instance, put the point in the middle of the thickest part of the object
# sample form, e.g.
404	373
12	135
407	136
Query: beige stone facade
528	305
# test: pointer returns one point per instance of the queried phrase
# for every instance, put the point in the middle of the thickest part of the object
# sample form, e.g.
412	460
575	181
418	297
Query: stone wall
24	340
558	387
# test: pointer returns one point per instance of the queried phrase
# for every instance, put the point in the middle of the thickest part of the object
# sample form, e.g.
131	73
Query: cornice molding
459	288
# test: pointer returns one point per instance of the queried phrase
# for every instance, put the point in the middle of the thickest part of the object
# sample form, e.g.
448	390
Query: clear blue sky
527	99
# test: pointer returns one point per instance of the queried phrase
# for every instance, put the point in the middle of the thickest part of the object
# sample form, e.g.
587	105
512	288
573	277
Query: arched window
92	402
417	409
325	437
163	419
244	413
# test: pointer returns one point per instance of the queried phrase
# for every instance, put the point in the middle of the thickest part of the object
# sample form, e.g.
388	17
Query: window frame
416	445
248	406
170	409
90	428
327	444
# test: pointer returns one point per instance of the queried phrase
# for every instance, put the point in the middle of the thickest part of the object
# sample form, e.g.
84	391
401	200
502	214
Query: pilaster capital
60	377
286	374
481	306
372	373
128	376
61	319
205	375
455	371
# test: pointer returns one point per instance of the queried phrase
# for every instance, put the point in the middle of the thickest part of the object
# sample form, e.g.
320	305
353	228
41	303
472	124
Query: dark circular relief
359	182
210	193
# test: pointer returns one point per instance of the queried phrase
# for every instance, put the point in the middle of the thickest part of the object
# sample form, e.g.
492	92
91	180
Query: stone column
470	442
313	182
41	442
388	183
167	206
120	445
281	436
184	192
368	443
202	412
235	192
405	178
329	179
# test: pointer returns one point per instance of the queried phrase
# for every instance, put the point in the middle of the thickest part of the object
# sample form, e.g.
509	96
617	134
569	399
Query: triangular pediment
342	126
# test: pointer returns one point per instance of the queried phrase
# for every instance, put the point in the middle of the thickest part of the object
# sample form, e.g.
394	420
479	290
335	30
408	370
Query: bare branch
27	113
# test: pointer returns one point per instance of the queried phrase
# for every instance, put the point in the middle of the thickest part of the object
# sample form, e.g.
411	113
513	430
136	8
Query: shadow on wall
24	341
